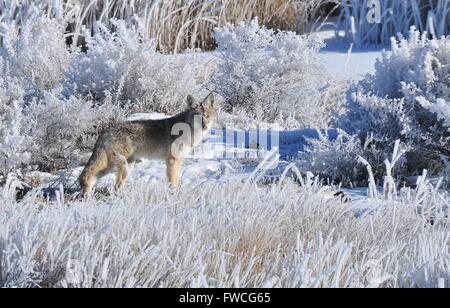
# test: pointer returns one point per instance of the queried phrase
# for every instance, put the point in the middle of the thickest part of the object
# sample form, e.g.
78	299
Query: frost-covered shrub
416	66
126	64
407	99
19	11
113	61
64	129
35	53
368	113
11	88
166	83
14	143
369	128
418	72
271	75
335	159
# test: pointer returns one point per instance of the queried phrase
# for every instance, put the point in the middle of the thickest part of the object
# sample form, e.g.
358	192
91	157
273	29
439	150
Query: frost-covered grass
375	22
225	234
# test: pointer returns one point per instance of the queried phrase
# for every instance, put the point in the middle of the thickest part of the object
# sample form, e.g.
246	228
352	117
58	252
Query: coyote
170	139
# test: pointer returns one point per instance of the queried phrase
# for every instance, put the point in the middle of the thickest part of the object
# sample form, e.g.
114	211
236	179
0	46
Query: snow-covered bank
350	66
343	60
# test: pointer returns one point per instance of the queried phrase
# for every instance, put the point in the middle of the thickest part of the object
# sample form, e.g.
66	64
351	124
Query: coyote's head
204	111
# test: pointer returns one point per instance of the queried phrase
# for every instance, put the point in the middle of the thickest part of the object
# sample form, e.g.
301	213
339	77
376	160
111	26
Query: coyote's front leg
173	171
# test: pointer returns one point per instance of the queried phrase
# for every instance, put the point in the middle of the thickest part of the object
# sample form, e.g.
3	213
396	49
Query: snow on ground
354	65
343	61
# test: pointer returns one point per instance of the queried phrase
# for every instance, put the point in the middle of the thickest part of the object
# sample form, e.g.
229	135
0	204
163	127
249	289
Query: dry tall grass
176	25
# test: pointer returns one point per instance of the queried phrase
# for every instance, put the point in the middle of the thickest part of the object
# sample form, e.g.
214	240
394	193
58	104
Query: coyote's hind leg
173	171
96	167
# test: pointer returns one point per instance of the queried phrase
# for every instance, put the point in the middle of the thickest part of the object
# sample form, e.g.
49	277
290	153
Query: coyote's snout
170	139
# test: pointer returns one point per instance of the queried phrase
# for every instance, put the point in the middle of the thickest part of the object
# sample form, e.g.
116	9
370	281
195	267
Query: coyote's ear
210	101
191	101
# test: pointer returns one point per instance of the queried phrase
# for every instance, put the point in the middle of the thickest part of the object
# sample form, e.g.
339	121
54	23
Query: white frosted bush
369	128
35	53
166	83
11	88
20	11
126	64
441	108
416	66
406	99
37	127
418	72
65	129
113	61
272	75
336	159
15	144
367	113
